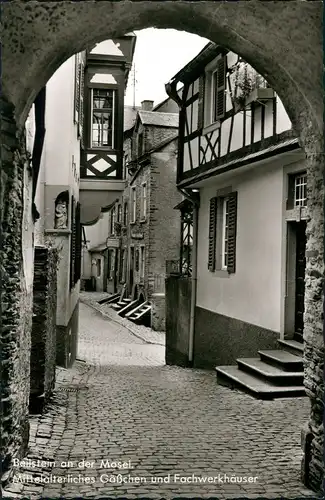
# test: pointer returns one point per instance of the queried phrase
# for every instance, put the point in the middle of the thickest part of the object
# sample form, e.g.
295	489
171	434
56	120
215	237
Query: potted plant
249	86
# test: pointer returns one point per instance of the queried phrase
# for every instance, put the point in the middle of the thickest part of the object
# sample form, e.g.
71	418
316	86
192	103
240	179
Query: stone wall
67	340
16	294
313	444
43	350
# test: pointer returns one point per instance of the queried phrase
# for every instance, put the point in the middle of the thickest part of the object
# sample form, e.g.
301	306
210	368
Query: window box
261	94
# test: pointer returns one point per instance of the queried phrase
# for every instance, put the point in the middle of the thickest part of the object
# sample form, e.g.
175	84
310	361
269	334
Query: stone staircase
275	374
140	313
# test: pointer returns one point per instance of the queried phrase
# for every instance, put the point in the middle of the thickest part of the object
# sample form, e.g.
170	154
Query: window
119	213
137	260
126	214
144	202
300	197
140	144
102	118
133	205
297	190
142	262
113	220
212	97
123	266
225	227
222	233
99	267
125	162
111	261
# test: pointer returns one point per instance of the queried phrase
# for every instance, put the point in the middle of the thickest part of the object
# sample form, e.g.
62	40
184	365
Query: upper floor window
119	213
213	91
126	214
102	118
144	202
140	144
113	221
297	190
133	204
300	199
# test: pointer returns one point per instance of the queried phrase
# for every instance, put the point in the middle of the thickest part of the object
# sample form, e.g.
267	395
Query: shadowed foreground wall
43	352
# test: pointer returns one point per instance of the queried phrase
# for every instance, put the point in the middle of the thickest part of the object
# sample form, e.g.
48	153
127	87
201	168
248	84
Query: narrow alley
120	403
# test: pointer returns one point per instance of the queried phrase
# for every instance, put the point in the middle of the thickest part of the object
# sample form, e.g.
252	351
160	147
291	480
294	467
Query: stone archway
39	36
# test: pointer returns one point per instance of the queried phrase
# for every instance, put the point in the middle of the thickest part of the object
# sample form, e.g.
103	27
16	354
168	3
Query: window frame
133	204
113	220
112	145
303	190
210	119
142	261
144	201
224	233
126	214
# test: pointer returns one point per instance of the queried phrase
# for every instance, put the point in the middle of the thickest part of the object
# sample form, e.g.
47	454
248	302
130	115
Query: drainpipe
195	202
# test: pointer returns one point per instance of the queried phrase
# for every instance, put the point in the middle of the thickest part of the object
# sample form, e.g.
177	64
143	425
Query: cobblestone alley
121	404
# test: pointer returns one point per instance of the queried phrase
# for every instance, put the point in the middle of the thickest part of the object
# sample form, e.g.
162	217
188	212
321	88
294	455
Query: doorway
300	280
295	281
131	269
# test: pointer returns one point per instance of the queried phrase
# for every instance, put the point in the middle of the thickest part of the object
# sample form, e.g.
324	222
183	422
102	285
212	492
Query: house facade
142	227
75	138
240	164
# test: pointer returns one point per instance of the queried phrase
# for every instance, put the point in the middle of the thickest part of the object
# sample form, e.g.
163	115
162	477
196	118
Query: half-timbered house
239	161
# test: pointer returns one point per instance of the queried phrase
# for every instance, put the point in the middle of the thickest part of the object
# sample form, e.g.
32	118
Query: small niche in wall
61	210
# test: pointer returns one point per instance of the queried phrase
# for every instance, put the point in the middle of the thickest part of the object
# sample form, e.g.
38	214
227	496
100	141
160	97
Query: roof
130	115
194	67
159	119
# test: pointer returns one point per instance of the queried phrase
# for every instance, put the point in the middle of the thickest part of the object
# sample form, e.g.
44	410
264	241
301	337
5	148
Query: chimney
146	105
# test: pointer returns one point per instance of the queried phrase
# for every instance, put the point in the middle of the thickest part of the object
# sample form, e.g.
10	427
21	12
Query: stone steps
275	374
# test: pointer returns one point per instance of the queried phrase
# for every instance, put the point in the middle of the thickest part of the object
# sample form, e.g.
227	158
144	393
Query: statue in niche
61	210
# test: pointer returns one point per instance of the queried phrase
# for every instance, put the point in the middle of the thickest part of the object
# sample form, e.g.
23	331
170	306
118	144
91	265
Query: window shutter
212	234
77	267
200	113
232	231
73	243
81	101
77	88
220	90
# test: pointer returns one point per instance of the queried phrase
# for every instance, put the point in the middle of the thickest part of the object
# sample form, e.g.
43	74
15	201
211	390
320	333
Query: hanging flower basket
249	86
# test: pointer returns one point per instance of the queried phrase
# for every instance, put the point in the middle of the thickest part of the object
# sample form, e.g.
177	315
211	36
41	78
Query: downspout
195	202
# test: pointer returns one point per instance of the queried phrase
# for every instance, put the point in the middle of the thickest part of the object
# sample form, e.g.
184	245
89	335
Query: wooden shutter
220	104
77	88
81	101
232	231
200	113
212	234
73	243
78	242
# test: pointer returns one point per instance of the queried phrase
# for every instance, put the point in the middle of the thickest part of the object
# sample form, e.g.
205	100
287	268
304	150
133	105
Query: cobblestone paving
123	404
143	332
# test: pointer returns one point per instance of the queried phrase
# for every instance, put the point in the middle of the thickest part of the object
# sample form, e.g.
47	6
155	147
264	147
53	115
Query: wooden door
300	280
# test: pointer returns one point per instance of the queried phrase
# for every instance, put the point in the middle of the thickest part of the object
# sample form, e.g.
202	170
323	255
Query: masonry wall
164	227
16	258
43	345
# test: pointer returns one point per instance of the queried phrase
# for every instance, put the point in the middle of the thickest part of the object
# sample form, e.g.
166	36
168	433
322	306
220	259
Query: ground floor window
142	262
